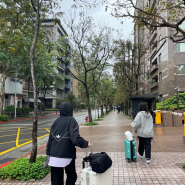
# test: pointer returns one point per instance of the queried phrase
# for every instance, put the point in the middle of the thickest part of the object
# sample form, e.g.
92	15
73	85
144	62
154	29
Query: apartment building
10	90
56	32
164	67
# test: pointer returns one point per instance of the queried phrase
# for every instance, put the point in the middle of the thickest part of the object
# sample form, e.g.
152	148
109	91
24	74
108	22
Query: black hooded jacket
64	135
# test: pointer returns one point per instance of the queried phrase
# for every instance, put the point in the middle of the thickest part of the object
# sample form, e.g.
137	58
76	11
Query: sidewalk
168	154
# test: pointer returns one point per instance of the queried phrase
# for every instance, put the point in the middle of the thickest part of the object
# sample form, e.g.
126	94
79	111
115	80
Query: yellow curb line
6	151
47	130
17	139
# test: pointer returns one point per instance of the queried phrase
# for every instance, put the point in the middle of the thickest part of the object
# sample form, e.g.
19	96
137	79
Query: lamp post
15	91
177	92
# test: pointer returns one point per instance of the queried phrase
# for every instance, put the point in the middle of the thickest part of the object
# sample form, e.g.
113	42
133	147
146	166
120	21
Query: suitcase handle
133	131
83	162
91	150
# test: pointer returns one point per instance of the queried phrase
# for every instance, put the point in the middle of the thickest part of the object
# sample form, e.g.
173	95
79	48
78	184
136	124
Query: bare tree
92	47
158	13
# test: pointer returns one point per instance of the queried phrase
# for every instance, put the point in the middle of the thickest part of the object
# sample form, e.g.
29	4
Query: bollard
158	117
86	119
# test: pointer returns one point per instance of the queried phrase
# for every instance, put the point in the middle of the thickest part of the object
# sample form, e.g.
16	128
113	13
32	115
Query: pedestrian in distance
143	123
114	109
119	108
64	136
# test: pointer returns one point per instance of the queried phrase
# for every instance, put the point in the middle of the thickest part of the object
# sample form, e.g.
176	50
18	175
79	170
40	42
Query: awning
30	99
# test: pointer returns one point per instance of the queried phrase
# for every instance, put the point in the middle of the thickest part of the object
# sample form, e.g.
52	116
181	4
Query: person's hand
89	144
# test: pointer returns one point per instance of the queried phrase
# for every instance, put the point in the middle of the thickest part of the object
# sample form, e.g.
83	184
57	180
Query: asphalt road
17	134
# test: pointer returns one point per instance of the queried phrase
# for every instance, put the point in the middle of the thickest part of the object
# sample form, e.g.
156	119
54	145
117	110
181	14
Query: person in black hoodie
64	136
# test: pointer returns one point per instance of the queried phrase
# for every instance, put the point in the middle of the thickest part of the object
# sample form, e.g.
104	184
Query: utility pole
15	91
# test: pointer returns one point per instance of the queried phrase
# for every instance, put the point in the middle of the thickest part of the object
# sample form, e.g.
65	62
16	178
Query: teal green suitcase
130	151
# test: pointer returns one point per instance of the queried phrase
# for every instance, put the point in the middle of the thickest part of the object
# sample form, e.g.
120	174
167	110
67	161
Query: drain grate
3	161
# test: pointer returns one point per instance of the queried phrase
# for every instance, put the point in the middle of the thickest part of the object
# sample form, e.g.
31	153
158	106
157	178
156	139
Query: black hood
66	109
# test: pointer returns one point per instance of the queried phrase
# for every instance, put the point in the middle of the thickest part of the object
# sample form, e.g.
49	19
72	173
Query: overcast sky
100	16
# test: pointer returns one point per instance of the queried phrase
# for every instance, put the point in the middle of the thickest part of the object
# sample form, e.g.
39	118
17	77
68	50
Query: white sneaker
140	156
148	161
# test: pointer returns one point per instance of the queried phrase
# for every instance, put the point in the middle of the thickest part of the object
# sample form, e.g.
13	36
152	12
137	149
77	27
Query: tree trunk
28	98
88	105
98	112
44	99
2	79
35	113
101	108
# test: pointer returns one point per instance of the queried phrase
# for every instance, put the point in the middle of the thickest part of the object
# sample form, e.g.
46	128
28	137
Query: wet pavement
168	154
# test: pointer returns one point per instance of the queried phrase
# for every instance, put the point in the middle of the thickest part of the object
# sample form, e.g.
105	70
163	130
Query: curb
3	165
27	118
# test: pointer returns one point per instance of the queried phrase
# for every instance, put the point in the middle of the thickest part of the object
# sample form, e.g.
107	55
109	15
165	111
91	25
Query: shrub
97	119
171	103
21	169
51	109
83	106
11	109
4	118
29	116
90	123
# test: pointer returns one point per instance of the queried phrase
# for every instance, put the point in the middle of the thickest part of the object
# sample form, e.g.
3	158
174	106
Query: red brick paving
168	154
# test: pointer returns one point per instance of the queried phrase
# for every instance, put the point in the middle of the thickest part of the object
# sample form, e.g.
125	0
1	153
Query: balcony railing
154	68
154	85
154	34
153	52
67	86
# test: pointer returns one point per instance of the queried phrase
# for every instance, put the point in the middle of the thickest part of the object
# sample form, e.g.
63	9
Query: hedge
51	109
18	110
21	169
83	106
171	103
4	118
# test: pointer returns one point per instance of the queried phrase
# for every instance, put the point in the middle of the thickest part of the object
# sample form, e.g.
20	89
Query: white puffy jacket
143	123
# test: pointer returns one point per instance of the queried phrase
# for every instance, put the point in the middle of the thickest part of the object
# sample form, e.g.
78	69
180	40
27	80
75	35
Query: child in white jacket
143	123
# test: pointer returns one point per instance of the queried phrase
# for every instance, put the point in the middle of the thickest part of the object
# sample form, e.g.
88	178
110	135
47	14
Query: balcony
153	52
154	68
154	85
154	35
67	86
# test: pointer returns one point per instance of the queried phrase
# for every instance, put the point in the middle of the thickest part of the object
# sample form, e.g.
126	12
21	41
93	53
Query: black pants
57	174
145	144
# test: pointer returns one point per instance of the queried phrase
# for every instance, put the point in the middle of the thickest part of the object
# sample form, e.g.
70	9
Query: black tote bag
99	162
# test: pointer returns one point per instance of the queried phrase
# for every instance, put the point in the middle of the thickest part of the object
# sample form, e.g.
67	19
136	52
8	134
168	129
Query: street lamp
177	92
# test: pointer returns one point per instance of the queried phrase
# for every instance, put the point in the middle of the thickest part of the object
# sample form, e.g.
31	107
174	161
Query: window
180	47
159	58
181	69
160	77
141	3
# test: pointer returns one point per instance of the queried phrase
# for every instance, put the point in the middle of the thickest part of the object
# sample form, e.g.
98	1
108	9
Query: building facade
164	68
56	32
10	91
